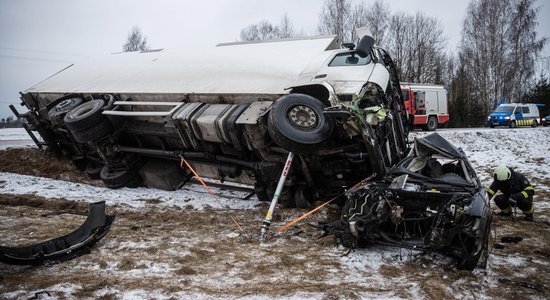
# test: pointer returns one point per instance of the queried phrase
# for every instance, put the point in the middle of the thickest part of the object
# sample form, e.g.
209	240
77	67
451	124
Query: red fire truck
427	104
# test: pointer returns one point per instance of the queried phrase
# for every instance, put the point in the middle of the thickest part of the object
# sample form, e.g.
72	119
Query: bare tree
498	48
375	17
286	29
264	30
335	19
417	44
525	46
136	41
260	31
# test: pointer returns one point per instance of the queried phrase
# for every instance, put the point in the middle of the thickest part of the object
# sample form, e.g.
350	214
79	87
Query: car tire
58	112
296	123
432	123
85	116
118	178
92	134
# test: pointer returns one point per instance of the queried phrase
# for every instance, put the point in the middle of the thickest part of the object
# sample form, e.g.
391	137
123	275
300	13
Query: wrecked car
432	200
66	247
234	111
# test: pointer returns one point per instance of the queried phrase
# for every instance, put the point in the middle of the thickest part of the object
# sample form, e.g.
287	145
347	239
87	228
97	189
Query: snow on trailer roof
266	67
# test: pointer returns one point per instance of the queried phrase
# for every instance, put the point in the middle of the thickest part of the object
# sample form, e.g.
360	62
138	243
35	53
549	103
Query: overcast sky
38	38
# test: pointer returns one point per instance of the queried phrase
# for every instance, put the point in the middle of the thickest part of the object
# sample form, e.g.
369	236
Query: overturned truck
234	111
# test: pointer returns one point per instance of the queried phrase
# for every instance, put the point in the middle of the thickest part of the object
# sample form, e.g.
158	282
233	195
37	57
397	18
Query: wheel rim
303	117
83	110
65	104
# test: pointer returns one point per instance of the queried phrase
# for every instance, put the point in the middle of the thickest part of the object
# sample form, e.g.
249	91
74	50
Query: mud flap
63	248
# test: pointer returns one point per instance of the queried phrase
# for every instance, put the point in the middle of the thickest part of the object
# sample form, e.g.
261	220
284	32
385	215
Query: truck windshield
504	109
348	59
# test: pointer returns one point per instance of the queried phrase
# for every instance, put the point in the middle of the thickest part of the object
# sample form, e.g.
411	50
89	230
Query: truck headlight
543	119
506	118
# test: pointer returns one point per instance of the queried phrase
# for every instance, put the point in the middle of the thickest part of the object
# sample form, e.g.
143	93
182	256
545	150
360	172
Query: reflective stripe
525	194
490	192
529	188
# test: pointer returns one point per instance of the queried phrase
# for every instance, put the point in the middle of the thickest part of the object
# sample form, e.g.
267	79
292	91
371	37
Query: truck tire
58	112
85	116
118	178
296	123
92	134
93	169
513	124
432	123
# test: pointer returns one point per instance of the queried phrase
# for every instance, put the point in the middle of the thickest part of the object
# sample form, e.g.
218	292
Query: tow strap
292	223
183	161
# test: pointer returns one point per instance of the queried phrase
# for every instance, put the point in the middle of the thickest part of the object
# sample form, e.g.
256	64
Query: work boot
529	217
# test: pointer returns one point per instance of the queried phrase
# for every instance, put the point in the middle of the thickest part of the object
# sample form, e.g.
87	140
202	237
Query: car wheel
118	178
58	112
432	123
85	116
296	123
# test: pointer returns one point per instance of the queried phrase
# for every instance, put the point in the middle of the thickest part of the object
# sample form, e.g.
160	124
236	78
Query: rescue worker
516	191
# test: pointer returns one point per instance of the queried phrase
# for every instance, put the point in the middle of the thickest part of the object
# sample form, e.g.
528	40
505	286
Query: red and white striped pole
267	222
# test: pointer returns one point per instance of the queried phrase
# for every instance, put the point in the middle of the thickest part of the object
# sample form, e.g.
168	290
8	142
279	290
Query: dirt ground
163	252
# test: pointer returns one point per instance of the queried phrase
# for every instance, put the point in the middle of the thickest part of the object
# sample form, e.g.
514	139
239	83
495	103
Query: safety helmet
502	173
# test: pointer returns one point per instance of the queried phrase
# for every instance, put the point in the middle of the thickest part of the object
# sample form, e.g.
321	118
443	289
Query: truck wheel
296	123
91	134
118	178
85	116
58	112
513	124
93	169
432	123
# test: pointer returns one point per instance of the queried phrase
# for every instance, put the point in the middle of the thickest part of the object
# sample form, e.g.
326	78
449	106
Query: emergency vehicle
515	114
426	104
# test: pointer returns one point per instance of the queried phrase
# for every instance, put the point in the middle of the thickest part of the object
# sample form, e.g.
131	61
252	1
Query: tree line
11	122
494	63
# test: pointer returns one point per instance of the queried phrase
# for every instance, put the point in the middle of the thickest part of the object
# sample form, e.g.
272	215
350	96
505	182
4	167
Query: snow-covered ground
222	265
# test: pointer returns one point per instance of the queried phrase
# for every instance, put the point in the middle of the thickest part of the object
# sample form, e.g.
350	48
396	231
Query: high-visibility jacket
516	187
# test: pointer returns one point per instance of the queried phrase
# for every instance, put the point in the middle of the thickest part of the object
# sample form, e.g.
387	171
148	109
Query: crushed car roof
242	68
435	144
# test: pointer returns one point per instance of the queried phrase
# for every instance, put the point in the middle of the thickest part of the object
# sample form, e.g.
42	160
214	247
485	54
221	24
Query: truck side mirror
364	46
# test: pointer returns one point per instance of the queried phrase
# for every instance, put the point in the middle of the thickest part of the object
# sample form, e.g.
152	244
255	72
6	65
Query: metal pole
280	185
